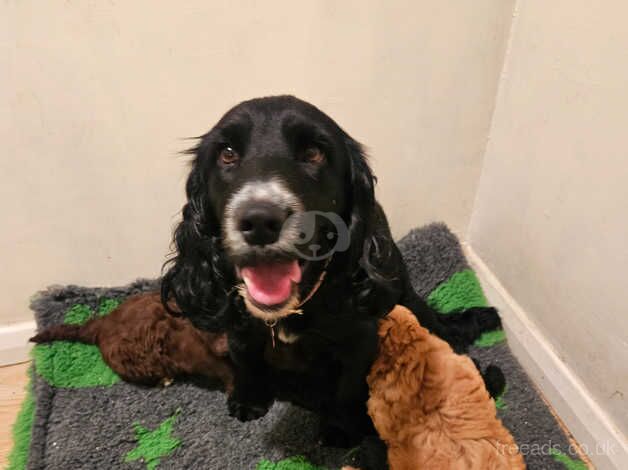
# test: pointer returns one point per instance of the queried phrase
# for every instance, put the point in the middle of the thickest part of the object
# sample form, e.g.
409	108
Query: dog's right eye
228	156
313	155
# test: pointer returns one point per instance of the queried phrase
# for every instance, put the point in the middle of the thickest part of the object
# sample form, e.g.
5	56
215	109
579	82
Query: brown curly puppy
143	343
430	405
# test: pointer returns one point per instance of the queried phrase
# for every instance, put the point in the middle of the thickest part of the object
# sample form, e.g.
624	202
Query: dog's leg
468	325
372	454
252	396
357	354
349	415
459	329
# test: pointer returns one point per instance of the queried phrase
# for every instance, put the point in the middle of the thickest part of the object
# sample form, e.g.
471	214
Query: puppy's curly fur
430	405
144	343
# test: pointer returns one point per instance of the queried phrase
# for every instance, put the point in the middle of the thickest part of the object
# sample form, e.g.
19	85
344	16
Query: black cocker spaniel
283	246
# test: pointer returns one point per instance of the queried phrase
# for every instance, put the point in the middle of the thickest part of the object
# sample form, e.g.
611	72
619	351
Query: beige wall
550	218
95	98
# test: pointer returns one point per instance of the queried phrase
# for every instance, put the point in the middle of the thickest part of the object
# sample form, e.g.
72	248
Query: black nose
260	223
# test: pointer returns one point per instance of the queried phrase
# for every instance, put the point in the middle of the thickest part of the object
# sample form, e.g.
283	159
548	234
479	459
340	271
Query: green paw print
293	463
154	445
568	462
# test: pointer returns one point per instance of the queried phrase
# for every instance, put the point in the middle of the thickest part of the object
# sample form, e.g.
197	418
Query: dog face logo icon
321	234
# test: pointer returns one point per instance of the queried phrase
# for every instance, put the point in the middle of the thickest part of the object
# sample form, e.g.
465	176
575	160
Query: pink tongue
271	284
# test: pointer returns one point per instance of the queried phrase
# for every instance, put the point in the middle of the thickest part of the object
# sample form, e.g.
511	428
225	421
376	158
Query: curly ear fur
195	274
361	185
372	247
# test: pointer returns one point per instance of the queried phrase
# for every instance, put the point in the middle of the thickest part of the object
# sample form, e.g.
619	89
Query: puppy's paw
243	411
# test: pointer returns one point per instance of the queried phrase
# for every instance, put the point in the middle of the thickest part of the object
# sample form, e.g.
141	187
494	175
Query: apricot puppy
430	405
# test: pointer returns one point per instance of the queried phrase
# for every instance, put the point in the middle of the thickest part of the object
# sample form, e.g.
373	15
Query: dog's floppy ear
362	199
372	246
194	275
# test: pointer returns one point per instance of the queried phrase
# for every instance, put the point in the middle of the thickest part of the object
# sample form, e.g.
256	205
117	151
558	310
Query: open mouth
271	285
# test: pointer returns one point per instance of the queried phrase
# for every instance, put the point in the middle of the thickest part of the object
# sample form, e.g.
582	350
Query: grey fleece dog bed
84	417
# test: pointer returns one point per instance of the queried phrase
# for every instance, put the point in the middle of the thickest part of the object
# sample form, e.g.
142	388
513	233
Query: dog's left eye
228	156
313	155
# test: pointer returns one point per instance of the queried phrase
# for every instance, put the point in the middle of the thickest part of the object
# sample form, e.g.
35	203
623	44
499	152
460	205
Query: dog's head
276	190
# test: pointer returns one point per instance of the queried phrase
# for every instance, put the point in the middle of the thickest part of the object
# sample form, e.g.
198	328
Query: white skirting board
606	446
14	345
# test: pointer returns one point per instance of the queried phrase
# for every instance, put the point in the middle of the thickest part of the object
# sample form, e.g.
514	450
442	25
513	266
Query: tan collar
297	310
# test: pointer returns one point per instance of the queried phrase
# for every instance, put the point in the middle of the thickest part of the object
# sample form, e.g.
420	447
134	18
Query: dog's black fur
325	369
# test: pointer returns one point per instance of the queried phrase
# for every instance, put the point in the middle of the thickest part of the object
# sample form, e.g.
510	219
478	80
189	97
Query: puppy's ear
194	275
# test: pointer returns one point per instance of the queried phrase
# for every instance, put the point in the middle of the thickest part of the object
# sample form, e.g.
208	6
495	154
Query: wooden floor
13	382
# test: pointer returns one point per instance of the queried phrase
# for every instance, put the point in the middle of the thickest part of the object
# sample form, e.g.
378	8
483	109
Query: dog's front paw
244	411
